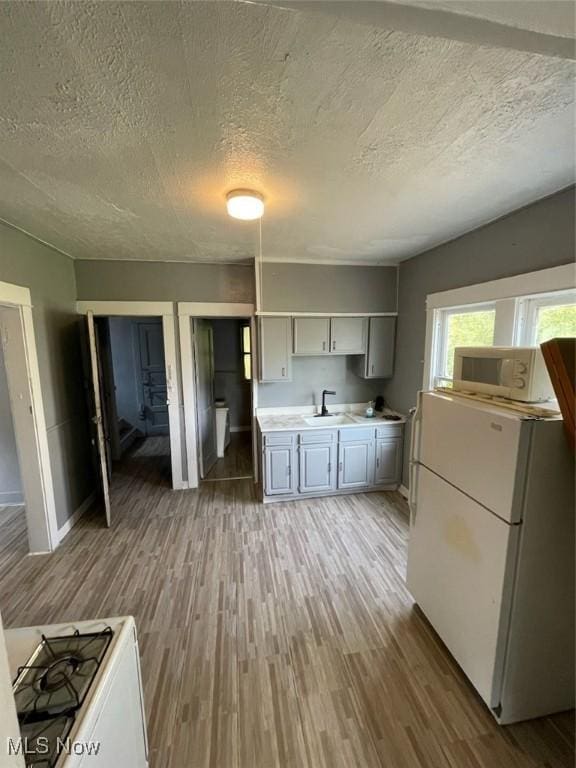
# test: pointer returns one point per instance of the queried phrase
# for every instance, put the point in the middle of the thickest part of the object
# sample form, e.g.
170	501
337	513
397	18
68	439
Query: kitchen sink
328	421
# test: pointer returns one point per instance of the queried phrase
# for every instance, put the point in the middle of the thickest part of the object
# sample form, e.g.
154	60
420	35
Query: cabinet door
317	468
348	335
388	461
380	357
355	464
311	335
275	348
278	470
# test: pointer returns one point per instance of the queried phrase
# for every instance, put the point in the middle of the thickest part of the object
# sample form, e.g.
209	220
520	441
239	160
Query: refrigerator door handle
412	492
415	430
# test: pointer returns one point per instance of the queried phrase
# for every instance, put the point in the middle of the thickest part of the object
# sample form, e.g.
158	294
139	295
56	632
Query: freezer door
460	572
482	451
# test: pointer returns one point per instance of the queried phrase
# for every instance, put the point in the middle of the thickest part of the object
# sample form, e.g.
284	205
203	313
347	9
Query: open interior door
205	409
97	415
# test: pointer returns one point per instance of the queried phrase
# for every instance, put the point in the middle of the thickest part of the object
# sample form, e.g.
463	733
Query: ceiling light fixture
245	204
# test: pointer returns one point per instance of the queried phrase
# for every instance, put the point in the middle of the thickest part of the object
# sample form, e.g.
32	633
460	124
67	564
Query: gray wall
310	375
229	381
10	485
156	281
328	288
50	277
532	238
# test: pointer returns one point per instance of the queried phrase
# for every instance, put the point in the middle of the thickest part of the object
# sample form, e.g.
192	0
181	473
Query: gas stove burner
57	674
57	677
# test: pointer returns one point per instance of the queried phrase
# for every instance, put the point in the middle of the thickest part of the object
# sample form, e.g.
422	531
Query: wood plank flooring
237	459
272	637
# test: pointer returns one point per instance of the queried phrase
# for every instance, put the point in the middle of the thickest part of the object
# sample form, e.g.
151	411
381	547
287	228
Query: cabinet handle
333	346
284	371
377	461
323	346
340	467
372	368
288	470
329	467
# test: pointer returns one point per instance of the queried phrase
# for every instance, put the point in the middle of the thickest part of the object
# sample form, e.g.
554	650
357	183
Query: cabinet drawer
278	438
319	436
354	435
391	429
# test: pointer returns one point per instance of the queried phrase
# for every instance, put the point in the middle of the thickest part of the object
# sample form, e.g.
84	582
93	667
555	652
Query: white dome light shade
245	204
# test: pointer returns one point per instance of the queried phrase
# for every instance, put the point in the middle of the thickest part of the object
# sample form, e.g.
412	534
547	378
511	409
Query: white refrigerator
491	549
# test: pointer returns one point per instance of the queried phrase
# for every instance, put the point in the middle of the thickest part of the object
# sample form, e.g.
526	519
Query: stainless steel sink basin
328	421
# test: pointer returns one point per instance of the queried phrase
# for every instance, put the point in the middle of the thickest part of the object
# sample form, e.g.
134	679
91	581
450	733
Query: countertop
294	422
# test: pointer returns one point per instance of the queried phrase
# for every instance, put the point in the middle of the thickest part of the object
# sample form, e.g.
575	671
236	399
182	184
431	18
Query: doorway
130	399
223	383
26	489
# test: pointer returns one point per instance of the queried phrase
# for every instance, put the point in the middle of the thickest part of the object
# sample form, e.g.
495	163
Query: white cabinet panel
275	348
348	335
311	335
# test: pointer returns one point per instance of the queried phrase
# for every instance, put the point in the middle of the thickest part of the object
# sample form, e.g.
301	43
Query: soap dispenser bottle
370	410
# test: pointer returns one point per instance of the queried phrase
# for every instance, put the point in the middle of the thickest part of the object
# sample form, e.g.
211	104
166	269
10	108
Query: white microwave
516	373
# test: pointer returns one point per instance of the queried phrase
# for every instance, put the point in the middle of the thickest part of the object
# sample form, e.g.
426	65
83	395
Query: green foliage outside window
468	329
556	322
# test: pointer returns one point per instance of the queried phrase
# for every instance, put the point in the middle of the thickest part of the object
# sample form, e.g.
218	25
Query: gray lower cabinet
317	465
356	464
275	348
324	461
388	461
279	468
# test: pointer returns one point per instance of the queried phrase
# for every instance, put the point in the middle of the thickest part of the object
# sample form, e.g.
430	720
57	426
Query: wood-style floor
272	637
237	459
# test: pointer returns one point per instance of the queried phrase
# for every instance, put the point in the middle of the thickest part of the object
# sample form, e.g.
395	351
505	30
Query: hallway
279	636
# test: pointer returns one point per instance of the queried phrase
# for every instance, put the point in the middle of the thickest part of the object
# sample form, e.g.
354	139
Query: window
547	317
463	327
525	321
246	352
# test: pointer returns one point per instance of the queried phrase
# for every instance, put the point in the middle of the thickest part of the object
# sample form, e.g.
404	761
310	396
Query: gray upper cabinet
378	363
311	335
317	464
275	348
348	335
388	461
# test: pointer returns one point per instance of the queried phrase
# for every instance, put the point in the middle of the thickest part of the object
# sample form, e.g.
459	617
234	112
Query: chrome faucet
324	411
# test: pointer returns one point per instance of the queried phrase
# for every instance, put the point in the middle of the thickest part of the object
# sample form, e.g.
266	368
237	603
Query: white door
206	412
27	445
481	450
461	561
97	416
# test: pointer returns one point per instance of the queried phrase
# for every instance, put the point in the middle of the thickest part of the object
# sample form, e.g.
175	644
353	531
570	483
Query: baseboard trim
404	491
11	499
76	515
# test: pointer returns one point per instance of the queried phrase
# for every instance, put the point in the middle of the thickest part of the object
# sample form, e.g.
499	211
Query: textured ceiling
124	124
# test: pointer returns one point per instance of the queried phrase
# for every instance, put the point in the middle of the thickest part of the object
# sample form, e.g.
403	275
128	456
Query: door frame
42	524
165	310
188	311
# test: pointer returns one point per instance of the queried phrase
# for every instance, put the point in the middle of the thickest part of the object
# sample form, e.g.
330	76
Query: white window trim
504	292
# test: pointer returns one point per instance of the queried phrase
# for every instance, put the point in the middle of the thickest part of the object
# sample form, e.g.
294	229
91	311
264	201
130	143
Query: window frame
516	300
444	316
528	309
